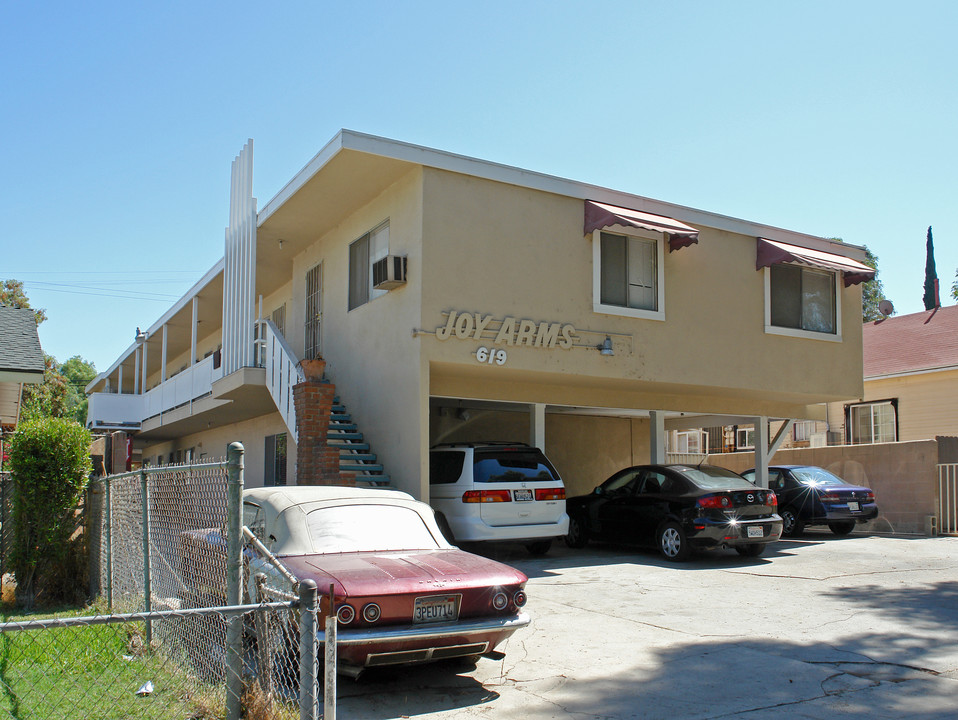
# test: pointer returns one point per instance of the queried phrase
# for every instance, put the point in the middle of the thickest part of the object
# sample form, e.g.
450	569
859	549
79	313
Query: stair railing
282	372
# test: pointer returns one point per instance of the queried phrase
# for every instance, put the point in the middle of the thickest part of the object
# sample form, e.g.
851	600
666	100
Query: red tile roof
908	343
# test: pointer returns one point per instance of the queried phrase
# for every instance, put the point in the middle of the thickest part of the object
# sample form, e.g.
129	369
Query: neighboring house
21	363
455	299
911	381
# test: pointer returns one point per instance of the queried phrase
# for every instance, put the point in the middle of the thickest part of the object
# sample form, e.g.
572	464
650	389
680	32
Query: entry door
314	312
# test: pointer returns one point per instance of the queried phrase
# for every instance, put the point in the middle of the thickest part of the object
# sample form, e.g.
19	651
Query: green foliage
50	464
954	287
78	373
872	291
12	295
61	394
930	296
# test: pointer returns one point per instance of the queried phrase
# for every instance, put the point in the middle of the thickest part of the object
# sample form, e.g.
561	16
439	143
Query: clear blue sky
120	120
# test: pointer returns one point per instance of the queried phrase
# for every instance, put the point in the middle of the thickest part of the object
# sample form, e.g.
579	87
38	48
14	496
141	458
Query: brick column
316	462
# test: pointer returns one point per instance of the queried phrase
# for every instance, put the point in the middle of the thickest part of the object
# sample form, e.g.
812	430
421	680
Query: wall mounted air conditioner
389	272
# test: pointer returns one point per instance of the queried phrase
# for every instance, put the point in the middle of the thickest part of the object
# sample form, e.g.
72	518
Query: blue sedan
809	495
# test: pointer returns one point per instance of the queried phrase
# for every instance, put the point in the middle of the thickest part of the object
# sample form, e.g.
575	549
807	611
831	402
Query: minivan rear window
493	466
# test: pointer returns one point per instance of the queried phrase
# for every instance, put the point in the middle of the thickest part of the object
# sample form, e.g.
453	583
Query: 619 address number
491	357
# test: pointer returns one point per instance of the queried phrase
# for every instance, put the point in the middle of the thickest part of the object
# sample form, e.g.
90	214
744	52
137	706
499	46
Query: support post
108	540
656	437
147	580
761	451
538	426
329	687
308	679
234	579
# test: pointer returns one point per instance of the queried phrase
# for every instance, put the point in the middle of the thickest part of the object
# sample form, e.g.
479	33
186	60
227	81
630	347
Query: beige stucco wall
211	445
904	476
372	356
504	251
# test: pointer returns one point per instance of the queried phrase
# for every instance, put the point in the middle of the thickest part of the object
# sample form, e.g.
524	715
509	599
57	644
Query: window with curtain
803	298
629	272
363	252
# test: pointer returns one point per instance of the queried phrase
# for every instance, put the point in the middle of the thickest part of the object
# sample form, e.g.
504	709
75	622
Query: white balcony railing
107	410
282	372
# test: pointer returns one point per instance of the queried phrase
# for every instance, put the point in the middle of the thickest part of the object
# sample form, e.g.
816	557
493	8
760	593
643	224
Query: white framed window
691	442
745	438
362	254
628	274
873	423
803	302
802	430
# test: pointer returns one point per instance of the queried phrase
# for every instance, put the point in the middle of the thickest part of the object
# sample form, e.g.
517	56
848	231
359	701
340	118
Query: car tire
445	529
673	543
577	537
751	550
539	548
842	528
792	524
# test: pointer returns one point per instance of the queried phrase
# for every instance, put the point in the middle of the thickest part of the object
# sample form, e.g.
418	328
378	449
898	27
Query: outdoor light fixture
605	347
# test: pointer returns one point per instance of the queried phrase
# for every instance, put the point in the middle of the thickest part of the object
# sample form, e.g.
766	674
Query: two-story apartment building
455	299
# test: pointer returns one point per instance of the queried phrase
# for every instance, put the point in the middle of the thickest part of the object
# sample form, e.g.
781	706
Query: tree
50	464
12	295
872	291
49	398
930	296
78	373
954	287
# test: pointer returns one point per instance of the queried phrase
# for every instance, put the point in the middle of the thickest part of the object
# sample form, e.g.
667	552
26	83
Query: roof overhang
771	252
602	216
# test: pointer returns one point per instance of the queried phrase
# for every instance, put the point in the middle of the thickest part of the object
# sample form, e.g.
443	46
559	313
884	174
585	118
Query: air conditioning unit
389	272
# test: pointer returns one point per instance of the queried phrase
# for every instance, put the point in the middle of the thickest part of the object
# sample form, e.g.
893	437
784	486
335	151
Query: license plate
754	531
853	506
436	608
522	495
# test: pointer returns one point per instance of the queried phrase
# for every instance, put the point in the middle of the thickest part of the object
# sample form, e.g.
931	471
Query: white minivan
492	491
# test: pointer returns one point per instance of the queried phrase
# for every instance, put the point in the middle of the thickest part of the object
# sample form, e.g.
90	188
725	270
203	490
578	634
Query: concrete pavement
857	627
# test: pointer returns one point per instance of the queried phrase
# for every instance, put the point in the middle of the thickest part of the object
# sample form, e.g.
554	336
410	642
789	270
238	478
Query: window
279	319
802	301
362	254
691	442
745	438
873	422
275	471
314	312
628	274
802	430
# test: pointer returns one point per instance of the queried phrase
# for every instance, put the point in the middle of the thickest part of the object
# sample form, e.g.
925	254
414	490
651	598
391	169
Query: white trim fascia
462	164
806	334
909	373
177	306
601	308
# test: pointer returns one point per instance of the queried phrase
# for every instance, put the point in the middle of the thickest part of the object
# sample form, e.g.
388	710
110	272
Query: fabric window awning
599	216
771	252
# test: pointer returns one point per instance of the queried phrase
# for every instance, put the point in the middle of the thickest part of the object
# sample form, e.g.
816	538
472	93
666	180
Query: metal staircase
354	453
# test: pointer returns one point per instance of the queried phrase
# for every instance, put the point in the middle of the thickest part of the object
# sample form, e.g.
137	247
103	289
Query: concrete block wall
903	475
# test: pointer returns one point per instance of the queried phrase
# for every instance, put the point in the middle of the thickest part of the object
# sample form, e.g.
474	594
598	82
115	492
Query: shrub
50	464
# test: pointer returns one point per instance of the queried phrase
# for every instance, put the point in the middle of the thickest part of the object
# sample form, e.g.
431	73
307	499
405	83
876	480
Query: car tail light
714	502
869	496
486	496
827	497
372	613
346	614
519	598
550	494
771	499
500	600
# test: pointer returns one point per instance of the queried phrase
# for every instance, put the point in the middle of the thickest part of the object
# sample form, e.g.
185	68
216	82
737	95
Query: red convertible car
402	593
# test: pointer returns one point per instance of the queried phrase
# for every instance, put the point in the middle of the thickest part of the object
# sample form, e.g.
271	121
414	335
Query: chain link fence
174	639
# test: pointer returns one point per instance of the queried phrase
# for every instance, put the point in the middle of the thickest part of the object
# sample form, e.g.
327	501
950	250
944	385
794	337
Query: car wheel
841	528
792	524
673	543
751	550
445	529
577	537
539	548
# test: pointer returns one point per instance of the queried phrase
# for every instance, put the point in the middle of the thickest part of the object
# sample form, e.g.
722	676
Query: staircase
354	454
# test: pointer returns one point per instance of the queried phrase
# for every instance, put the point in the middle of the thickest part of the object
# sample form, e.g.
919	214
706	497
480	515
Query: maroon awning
770	252
600	215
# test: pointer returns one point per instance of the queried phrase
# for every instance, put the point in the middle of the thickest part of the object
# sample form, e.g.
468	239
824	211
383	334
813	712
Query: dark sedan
809	495
676	508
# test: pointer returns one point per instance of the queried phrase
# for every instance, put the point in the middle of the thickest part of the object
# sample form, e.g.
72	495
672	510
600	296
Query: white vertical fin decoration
239	276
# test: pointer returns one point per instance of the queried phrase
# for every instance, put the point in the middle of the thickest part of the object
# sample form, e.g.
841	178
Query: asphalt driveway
857	627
